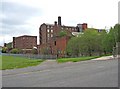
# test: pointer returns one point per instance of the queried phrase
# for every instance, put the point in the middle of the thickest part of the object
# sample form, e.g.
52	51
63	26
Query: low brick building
59	46
25	43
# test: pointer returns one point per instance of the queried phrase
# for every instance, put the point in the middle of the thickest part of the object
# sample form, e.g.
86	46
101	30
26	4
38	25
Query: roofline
61	25
26	36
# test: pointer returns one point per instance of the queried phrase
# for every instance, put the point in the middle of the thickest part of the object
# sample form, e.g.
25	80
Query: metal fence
33	56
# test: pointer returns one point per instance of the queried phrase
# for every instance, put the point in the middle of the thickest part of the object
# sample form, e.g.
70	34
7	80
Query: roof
26	36
47	24
69	26
61	25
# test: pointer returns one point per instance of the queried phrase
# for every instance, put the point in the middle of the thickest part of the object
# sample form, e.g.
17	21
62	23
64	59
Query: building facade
25	42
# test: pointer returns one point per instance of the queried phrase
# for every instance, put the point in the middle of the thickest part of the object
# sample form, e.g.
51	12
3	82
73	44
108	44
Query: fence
33	56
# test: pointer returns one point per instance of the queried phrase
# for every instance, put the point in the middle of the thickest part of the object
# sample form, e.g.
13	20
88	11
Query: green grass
11	62
61	60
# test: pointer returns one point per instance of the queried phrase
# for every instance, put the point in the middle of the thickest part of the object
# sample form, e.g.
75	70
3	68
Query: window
55	43
51	35
48	30
48	26
48	35
48	38
51	30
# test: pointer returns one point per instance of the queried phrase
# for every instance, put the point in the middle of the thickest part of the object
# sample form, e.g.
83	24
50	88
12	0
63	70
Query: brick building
59	46
49	39
25	42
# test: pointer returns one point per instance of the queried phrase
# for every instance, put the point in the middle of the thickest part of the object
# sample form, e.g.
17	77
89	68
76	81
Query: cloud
15	18
16	15
25	16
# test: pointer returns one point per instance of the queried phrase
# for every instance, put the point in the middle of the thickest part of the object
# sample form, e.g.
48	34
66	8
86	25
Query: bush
34	51
4	50
15	51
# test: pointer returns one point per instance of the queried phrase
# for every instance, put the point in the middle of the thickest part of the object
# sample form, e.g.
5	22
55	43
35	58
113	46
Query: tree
117	32
62	33
72	47
91	42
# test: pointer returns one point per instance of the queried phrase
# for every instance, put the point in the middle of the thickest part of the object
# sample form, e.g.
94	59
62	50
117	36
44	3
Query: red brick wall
60	47
25	42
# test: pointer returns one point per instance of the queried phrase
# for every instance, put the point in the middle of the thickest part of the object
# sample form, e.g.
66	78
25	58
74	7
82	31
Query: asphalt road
91	73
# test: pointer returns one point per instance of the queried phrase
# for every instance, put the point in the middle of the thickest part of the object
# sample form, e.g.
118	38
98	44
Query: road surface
92	73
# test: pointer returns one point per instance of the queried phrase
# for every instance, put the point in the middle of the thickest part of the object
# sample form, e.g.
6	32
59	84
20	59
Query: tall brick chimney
59	20
13	42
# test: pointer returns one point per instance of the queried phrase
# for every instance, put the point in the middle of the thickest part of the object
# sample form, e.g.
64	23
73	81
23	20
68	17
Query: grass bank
62	60
11	62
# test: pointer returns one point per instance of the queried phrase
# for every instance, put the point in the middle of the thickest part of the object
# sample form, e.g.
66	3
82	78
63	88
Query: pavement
91	73
104	58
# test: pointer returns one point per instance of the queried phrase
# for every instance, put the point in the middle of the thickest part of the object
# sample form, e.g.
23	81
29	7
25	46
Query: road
91	73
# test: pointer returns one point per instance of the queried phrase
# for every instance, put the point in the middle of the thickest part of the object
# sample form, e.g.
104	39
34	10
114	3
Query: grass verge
11	62
62	60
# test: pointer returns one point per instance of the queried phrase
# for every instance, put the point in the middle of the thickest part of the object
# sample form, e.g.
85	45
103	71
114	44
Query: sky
24	17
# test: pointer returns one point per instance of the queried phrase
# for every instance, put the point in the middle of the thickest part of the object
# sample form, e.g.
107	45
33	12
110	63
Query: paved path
104	58
90	73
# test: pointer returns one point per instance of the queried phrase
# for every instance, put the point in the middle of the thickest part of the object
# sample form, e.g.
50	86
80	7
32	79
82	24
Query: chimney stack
59	20
13	42
55	22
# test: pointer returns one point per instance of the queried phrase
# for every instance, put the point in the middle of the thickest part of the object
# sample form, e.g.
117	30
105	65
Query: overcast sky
23	17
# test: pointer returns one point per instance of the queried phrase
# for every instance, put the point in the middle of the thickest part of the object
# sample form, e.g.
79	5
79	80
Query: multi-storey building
49	36
25	42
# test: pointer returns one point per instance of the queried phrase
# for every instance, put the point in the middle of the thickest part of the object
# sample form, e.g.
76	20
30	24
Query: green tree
117	32
91	42
62	33
73	47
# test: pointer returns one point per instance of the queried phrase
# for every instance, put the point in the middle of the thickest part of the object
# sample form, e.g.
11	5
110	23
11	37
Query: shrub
34	51
15	51
4	50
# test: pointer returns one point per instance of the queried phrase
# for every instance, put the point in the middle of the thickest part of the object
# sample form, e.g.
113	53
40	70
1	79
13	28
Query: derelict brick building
51	42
